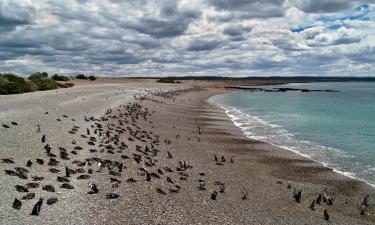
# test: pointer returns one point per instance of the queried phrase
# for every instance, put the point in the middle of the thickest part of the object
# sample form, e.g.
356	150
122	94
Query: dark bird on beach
52	201
62	179
37	208
297	195
40	161
213	195
161	191
215	158
169	155
131	180
20	188
49	188
29	163
231	160
170	180
28	196
8	161
365	201
6	126
326	215
32	185
14	123
17	204
87	131
223	159
319	199
66	186
44	138
244	194
112	196
93	189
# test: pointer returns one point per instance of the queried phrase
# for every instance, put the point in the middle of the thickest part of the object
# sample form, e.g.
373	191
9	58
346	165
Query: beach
174	179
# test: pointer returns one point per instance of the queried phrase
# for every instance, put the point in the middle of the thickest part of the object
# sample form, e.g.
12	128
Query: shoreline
347	174
192	130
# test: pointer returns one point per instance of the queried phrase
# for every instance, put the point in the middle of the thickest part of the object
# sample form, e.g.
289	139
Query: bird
37	208
51	201
29	163
312	205
244	194
161	191
28	196
44	138
365	200
213	195
297	195
93	189
215	158
326	215
17	204
38	128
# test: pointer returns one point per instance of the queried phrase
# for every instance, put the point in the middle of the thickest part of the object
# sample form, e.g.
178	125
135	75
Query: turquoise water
336	129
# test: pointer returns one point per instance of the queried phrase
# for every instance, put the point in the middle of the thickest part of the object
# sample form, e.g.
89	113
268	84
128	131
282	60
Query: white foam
259	129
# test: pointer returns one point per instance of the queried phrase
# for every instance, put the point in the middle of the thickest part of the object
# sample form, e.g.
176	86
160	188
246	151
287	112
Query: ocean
336	129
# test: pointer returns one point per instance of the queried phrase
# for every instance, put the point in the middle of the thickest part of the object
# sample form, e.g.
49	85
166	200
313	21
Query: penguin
223	159
326	215
44	138
37	208
93	189
87	131
297	195
319	199
213	195
244	194
215	158
29	163
67	172
365	201
17	204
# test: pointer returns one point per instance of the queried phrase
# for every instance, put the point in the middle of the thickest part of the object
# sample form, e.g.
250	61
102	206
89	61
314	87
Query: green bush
38	75
81	76
167	80
45	84
12	84
57	77
92	78
65	85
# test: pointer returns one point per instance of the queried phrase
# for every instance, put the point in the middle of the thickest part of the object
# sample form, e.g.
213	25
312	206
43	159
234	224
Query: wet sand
188	127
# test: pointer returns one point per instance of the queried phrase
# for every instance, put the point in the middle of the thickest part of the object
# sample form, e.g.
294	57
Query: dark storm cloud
13	15
323	6
177	37
251	8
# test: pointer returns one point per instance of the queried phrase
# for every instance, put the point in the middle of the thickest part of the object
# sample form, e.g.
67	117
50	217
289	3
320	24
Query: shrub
65	85
57	77
81	76
166	80
11	84
38	75
92	78
45	84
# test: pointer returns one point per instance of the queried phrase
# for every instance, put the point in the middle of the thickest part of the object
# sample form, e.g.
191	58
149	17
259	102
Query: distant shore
254	181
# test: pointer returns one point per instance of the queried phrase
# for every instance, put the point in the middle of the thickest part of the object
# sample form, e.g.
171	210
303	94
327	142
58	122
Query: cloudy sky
188	37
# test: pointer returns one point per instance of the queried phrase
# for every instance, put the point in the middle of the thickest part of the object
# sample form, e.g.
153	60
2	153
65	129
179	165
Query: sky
188	37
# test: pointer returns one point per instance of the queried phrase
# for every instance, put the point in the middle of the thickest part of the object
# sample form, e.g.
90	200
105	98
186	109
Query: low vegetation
13	84
167	80
84	77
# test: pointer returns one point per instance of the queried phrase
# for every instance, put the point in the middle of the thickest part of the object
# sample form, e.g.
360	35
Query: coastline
192	130
347	174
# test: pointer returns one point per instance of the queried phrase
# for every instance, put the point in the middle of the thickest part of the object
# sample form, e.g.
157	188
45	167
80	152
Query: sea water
336	129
